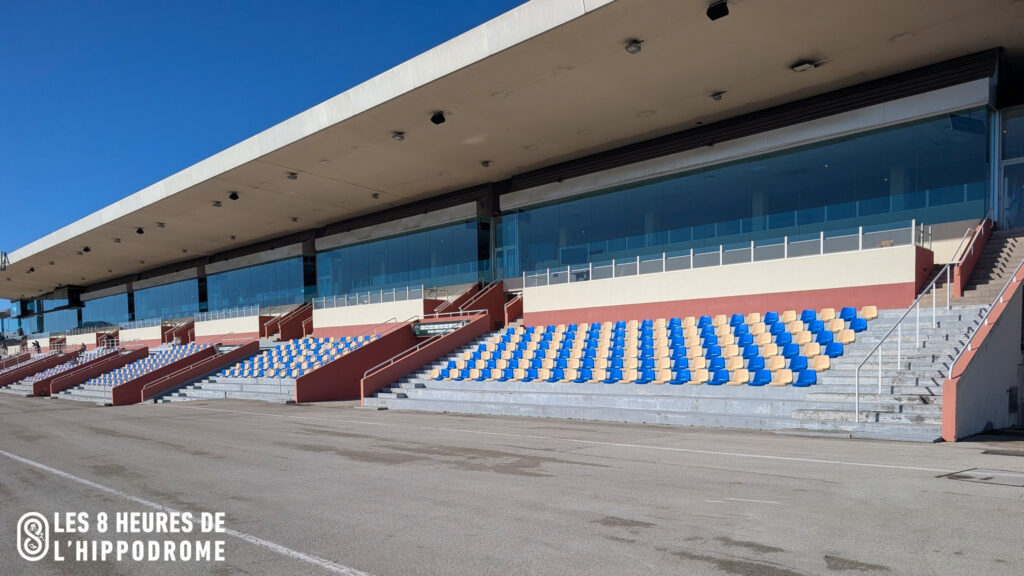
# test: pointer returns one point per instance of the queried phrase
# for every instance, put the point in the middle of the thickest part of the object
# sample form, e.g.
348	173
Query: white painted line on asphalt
589	442
754	501
279	549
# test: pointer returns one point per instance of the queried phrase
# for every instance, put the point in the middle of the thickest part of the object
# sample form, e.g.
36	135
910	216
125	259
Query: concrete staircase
909	408
1002	254
87	393
212	387
20	388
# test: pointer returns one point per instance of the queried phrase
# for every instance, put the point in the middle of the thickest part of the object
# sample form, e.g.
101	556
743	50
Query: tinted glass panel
168	301
271	284
106	311
932	171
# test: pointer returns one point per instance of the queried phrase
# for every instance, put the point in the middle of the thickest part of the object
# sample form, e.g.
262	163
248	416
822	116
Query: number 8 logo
33	536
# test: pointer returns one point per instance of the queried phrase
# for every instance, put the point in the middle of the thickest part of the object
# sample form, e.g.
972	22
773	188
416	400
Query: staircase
910	406
20	388
1002	254
87	393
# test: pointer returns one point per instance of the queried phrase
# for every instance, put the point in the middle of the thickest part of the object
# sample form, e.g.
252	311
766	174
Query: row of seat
158	358
74	363
751	349
295	358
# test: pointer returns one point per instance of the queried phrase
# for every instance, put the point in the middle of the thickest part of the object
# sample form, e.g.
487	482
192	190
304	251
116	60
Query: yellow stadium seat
783	377
827	314
734	363
868	312
753	317
739	377
763	339
699	376
802	337
788	316
820	363
811	349
775	363
845	336
698	363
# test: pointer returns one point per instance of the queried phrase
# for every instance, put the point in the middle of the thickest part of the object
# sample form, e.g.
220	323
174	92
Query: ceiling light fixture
295	218
140	231
86	249
718	9
804	66
717	95
31	270
217	204
438	117
117	240
398	136
375	195
293	176
161	225
634	46
233	195
486	163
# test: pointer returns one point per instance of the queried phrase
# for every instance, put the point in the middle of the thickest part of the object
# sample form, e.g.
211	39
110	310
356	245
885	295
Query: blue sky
99	99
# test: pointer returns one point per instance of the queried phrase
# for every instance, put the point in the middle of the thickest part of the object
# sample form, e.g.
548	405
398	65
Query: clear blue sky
99	99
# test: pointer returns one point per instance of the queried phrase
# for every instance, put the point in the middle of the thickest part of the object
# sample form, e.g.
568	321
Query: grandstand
765	236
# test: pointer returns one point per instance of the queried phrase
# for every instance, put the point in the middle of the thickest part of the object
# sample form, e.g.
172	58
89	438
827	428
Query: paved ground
331	489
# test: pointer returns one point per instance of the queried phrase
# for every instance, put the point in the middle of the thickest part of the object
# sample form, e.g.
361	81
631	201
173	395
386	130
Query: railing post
899	344
721	254
664	262
860	238
613	267
590	271
547	281
917	329
879	372
785	247
751	250
691	258
524	280
934	324
821	242
913	232
947	286
856	396
568	274
637	264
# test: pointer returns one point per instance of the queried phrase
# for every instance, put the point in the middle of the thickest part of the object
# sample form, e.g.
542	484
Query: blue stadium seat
614	375
720	377
646	376
848	313
745	340
755	363
680	377
807	316
556	375
761	377
806	378
790	350
716	363
713	351
825	337
771	317
737	320
584	375
834	349
506	375
783	338
777	328
750	351
704	321
815	326
858	324
797	363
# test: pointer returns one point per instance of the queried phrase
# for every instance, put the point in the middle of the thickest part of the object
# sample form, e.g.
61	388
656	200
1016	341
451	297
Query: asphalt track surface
329	489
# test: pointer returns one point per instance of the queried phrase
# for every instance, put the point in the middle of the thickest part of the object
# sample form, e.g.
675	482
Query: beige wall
366	314
76	340
136	334
947	236
243	325
879	266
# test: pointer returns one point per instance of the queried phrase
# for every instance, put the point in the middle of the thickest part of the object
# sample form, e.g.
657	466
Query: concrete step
872	416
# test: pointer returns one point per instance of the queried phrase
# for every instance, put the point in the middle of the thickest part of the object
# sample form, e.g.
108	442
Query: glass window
271	284
1013	134
441	256
176	300
60	321
932	171
106	311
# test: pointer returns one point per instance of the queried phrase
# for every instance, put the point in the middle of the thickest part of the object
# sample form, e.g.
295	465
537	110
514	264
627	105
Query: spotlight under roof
398	136
438	117
634	46
718	9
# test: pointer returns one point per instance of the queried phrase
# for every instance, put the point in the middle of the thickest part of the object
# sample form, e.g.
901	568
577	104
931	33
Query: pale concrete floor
404	493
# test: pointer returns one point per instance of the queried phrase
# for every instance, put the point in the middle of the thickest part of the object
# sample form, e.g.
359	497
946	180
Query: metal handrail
225	313
785	250
977	233
898	328
478	295
419	346
984	319
457	296
147	323
343	300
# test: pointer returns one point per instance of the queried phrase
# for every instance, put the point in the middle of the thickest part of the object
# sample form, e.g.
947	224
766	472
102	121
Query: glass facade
61	320
175	300
9	324
271	284
1012	199
443	256
933	171
106	311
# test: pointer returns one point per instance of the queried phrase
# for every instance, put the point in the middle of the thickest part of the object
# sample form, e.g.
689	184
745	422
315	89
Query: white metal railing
370	297
148	323
1013	279
897	327
239	312
726	255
